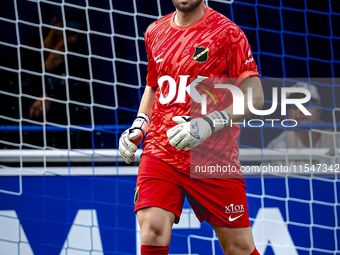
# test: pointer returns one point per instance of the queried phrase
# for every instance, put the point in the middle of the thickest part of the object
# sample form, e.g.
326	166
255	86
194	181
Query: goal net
72	76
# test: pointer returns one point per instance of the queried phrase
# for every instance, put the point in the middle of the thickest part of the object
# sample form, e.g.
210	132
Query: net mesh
85	62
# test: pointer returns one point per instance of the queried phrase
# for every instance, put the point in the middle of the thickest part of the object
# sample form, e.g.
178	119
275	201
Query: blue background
48	205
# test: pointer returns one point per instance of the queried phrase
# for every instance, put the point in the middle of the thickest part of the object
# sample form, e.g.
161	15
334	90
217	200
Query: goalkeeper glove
190	132
131	137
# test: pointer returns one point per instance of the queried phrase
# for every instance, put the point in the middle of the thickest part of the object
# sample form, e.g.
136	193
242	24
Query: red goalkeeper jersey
185	62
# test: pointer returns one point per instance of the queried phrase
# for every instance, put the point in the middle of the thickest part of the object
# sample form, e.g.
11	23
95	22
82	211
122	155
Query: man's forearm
257	95
147	101
132	137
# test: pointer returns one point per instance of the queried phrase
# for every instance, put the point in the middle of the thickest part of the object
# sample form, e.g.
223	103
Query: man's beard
187	7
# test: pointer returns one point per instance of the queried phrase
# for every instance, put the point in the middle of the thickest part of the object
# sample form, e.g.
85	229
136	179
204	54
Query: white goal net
72	73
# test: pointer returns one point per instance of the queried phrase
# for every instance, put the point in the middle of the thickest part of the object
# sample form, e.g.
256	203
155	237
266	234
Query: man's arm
132	136
182	135
258	98
147	101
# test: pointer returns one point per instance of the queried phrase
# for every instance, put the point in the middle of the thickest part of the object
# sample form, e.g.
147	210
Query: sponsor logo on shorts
235	218
136	197
234	208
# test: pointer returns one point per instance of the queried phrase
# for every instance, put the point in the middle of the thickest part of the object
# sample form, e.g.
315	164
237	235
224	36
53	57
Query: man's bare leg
235	241
156	225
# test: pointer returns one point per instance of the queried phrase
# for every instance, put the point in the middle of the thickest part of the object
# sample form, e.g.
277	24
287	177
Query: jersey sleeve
151	78
240	59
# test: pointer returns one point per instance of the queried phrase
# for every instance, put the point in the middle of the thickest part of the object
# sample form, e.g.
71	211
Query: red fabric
173	65
151	249
255	252
221	201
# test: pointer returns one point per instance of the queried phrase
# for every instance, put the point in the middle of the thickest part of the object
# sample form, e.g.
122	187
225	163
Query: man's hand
54	60
191	132
132	137
36	109
55	35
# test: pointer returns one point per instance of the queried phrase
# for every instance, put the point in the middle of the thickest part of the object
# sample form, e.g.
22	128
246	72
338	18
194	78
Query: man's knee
156	224
235	241
238	248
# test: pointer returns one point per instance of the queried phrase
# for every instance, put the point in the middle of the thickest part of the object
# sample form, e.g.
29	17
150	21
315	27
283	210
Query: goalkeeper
186	48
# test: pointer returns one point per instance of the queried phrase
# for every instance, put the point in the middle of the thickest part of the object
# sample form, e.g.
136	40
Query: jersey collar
174	25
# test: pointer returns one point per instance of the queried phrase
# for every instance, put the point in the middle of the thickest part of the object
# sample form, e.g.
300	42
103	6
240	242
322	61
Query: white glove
191	132
131	137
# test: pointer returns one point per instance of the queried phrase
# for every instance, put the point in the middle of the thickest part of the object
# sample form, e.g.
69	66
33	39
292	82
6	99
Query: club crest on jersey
201	54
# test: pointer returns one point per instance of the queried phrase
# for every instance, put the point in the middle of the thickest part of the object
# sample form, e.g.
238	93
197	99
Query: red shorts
221	202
